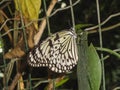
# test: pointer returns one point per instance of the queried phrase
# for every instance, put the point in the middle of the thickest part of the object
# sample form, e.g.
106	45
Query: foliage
94	68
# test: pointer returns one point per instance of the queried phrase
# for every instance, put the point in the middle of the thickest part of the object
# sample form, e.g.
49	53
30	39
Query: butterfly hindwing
38	56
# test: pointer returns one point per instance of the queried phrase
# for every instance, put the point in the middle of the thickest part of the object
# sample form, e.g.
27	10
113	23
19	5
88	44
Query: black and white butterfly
58	52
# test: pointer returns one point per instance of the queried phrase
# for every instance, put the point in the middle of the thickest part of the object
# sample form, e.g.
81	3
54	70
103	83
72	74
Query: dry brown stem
43	23
2	19
15	80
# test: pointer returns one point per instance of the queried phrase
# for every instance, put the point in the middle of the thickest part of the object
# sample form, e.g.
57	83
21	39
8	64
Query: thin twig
116	88
109	51
61	9
8	19
4	1
6	4
104	29
104	22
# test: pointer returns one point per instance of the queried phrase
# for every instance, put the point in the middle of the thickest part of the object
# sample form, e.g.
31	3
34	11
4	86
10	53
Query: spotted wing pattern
58	52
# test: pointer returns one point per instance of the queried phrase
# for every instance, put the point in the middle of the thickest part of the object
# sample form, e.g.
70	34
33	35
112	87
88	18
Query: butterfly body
58	52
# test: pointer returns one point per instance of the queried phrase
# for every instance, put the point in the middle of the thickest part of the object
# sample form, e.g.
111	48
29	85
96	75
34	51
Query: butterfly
58	52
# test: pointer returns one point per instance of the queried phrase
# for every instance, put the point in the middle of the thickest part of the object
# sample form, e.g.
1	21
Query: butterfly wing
58	52
63	53
39	55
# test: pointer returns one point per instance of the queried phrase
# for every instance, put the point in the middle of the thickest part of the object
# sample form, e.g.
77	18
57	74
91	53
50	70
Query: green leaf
94	68
80	26
62	82
82	72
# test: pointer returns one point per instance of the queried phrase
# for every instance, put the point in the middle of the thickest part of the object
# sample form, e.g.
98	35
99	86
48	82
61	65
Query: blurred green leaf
82	72
94	68
62	82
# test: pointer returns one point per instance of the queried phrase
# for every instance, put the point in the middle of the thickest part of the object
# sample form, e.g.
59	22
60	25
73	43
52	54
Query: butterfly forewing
58	52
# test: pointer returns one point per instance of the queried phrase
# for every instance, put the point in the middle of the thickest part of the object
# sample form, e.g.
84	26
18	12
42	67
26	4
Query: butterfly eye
58	52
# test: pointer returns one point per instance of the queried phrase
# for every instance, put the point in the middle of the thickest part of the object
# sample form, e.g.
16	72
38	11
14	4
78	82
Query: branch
15	80
43	23
104	22
105	29
2	19
109	51
6	4
60	9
